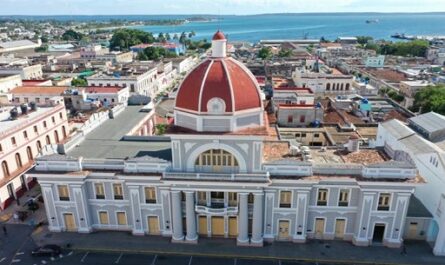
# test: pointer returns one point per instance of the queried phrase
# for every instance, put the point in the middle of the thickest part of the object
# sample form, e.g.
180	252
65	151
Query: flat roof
6	123
39	90
430	121
106	140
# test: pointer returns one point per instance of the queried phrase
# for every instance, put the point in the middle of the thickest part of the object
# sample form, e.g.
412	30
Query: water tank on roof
365	101
14	114
24	108
318	105
33	106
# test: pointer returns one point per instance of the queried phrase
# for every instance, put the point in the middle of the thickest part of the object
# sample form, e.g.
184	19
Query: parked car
47	250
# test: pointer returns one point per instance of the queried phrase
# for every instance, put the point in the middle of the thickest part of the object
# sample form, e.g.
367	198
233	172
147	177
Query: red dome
219	36
223	78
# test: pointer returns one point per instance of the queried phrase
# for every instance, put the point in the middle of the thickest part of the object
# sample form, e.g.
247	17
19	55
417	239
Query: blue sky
147	7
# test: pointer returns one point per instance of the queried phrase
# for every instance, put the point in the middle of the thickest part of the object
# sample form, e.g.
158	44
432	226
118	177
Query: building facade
224	178
21	139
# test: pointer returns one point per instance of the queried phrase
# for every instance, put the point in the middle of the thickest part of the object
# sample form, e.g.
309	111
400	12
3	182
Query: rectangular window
103	218
25	134
290	119
302	118
26	100
36	130
63	193
285	199
316	135
202	198
37	100
13	141
343	198
53	119
150	195
322	198
121	218
44	124
1	148
303	135
100	192
118	192
384	199
60	115
233	201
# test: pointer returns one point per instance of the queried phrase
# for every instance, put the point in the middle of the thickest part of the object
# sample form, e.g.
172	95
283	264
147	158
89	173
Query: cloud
79	7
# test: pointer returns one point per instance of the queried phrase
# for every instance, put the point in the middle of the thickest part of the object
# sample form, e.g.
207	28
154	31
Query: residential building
30	72
8	82
224	173
296	107
422	144
17	45
41	95
409	90
375	61
24	132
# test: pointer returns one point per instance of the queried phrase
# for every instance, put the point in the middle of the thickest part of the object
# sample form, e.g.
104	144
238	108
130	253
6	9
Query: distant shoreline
5	16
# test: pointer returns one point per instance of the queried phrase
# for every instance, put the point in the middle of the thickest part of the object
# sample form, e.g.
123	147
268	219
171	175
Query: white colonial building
220	171
24	132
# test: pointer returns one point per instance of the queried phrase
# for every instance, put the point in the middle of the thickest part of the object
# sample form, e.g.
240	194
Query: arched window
341	87
216	158
347	87
5	169
48	140
18	160
328	86
64	131
39	146
29	152
56	136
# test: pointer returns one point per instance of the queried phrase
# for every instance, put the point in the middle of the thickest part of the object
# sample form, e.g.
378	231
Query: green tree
192	34
123	39
161	37
79	82
430	98
167	36
363	40
142	56
285	53
265	53
71	35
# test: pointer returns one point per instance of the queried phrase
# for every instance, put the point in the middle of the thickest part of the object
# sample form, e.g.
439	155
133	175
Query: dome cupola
219	95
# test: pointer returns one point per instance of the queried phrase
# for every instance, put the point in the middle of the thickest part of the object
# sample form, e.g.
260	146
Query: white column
439	246
51	213
257	225
81	208
191	236
301	221
178	234
136	209
243	220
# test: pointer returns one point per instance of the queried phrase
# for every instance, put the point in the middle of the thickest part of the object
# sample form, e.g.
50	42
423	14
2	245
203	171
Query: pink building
23	133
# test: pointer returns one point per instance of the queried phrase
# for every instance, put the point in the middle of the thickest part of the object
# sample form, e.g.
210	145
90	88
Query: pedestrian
16	217
5	232
403	250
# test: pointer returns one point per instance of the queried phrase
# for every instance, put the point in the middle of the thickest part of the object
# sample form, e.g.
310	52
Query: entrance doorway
217	226
283	230
233	227
153	225
379	233
319	228
11	192
340	228
412	230
70	224
202	226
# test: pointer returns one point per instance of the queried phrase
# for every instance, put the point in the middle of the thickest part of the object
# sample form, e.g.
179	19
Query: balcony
216	211
244	177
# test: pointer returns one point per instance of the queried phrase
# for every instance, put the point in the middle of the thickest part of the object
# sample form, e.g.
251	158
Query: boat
372	21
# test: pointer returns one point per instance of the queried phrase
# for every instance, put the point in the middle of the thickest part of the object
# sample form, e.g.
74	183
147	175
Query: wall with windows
21	144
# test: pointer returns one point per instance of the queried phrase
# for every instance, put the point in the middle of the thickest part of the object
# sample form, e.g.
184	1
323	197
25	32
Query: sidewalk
6	216
314	250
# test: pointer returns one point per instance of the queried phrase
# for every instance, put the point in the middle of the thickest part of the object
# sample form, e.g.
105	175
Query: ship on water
372	21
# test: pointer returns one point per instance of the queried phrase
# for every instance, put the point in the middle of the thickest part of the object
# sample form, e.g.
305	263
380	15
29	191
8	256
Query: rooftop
41	90
430	122
7	125
106	140
362	157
